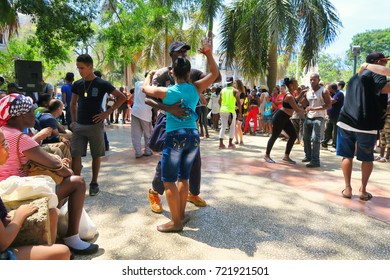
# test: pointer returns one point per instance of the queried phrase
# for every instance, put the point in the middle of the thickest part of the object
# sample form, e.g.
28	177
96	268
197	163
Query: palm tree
255	31
9	21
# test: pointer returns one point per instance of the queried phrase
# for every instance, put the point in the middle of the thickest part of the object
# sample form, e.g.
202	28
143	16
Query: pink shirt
12	168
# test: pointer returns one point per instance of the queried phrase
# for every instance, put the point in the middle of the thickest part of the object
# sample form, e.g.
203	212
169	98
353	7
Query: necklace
86	90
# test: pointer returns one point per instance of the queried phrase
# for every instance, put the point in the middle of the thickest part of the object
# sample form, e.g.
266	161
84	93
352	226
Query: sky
358	16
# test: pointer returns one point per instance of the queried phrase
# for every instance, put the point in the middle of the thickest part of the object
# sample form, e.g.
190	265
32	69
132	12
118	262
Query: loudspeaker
29	75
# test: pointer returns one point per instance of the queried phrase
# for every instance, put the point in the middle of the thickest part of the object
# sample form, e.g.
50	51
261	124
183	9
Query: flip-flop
346	196
366	197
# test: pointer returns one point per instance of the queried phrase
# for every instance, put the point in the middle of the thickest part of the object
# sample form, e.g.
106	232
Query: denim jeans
312	129
180	149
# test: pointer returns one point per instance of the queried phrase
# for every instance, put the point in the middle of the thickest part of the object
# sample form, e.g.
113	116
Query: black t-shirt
91	94
364	105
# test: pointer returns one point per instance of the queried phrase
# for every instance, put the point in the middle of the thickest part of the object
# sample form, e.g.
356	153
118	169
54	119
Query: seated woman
182	141
16	114
10	228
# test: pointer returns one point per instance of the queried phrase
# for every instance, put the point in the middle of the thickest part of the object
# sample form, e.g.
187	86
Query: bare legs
177	199
366	169
77	166
96	161
238	133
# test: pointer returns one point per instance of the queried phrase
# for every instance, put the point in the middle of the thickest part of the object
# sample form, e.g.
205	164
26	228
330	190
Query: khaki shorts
84	133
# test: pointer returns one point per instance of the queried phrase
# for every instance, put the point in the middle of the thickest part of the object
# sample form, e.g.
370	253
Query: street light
355	53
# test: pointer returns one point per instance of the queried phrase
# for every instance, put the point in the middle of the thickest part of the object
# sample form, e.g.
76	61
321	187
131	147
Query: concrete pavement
256	210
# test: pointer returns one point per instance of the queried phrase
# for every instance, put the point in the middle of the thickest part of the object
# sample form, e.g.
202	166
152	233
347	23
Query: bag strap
25	167
21	165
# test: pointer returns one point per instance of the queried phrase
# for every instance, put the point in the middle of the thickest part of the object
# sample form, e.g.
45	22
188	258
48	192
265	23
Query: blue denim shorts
180	149
348	140
8	254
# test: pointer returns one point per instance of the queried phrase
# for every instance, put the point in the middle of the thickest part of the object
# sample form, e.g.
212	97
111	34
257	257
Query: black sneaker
93	189
306	160
312	165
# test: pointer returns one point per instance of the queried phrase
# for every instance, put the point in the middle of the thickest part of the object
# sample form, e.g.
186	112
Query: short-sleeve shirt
334	111
190	96
67	88
91	94
364	105
47	120
12	167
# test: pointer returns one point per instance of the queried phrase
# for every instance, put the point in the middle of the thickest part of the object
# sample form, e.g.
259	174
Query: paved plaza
256	210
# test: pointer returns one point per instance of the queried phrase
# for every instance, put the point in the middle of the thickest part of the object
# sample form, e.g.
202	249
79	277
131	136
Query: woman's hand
25	210
206	46
362	68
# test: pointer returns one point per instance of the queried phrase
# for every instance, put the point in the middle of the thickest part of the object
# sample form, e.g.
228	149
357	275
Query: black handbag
157	139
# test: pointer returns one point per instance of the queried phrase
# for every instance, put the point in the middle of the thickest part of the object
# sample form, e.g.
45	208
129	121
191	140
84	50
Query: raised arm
379	69
210	78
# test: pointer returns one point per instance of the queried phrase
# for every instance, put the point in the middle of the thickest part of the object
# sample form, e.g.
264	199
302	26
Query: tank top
286	104
315	99
228	104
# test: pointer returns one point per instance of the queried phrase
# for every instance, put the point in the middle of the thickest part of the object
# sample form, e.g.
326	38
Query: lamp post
355	52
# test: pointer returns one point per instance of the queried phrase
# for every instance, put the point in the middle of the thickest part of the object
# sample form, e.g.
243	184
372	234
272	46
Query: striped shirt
12	168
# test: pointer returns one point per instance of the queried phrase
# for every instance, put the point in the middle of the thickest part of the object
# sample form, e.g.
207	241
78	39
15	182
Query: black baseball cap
372	57
14	85
229	80
177	46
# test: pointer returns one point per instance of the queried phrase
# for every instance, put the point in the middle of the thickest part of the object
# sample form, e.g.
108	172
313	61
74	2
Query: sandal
346	196
367	197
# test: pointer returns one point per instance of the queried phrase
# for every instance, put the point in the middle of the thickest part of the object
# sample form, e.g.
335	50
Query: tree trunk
210	38
129	74
166	56
272	66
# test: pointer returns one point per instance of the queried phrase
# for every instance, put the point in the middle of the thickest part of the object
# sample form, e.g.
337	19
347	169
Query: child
267	119
10	228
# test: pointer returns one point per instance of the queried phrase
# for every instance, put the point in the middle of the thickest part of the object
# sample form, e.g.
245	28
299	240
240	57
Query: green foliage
372	41
60	24
333	68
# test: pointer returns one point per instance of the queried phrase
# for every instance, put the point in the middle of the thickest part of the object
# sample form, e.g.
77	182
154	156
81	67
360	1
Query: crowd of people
178	105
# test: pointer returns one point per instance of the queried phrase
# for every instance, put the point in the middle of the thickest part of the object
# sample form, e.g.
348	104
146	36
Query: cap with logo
229	80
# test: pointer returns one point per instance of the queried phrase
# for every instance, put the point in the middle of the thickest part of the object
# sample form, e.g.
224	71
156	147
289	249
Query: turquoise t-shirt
190	96
268	109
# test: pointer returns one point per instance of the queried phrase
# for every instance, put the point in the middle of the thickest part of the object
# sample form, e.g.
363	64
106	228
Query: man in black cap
163	77
14	88
360	119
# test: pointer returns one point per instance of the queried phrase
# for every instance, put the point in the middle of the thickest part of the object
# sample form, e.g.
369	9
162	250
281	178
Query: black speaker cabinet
29	75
